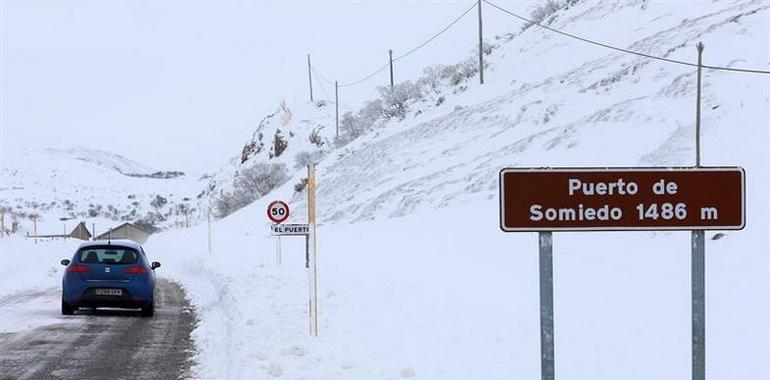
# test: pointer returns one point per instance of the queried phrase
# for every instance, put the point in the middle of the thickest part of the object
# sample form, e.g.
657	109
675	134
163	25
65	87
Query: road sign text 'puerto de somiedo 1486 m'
621	199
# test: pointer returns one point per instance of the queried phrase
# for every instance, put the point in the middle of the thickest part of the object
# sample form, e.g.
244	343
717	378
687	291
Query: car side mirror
154	265
65	262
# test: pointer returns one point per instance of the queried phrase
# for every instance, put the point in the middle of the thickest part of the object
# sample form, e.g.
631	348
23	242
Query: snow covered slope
89	185
417	280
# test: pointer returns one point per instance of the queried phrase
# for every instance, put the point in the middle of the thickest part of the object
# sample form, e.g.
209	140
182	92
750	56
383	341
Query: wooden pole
209	223
390	54
481	48
313	272
309	77
34	222
2	224
337	107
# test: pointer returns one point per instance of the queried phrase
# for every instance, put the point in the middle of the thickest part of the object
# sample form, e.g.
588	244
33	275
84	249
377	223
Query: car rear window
107	255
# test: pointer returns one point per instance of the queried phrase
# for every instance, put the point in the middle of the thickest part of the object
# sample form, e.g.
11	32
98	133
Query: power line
684	63
418	47
323	89
321	75
364	79
437	34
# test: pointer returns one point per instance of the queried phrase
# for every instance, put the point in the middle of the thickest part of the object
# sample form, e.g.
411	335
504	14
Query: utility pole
699	46
93	228
34	222
208	213
481	48
698	261
309	77
390	54
337	107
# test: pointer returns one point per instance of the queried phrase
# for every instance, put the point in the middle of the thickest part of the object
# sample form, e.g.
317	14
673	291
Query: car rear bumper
136	294
127	300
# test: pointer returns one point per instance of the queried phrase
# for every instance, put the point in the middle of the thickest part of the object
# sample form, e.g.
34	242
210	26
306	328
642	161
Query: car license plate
108	292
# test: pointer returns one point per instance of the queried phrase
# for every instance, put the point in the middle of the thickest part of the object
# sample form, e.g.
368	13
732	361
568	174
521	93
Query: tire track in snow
107	344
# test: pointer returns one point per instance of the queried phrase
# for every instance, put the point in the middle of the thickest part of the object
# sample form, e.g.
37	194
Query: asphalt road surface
108	344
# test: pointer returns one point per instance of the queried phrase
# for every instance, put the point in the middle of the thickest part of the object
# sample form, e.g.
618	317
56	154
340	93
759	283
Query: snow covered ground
445	294
30	282
417	280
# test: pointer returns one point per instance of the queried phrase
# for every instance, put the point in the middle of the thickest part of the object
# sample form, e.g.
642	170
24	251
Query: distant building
81	232
126	231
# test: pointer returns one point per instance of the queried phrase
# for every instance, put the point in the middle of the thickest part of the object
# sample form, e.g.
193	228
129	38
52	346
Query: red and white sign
278	211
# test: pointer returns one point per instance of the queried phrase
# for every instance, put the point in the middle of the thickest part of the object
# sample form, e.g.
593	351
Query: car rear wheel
67	309
149	310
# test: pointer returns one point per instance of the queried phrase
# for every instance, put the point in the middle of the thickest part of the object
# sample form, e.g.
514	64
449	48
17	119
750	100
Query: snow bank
30	282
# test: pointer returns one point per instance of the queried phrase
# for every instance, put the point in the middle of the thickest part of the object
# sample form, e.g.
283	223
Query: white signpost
278	212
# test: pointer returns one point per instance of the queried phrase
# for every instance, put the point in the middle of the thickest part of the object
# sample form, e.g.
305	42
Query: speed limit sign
278	211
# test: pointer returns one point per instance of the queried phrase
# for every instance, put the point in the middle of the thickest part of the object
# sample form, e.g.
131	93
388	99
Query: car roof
120	243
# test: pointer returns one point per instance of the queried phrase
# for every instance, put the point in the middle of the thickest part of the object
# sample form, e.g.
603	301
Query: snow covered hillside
64	187
418	281
416	278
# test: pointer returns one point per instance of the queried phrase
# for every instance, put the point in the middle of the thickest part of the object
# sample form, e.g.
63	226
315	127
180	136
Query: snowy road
102	344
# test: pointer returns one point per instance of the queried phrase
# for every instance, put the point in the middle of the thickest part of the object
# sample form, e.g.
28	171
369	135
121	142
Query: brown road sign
606	199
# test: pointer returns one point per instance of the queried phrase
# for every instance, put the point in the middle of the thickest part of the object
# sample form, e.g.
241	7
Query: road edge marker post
313	270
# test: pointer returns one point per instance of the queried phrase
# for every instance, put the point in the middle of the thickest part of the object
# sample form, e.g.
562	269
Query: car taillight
78	268
135	270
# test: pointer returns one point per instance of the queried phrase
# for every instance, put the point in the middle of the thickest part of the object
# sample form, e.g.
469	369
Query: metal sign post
698	263
621	199
547	370
278	251
278	212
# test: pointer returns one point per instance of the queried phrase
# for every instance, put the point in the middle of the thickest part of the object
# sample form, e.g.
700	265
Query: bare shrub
396	100
356	124
315	137
279	144
303	159
249	185
431	79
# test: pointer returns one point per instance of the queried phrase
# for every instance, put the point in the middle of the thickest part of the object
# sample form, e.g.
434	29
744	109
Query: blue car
109	274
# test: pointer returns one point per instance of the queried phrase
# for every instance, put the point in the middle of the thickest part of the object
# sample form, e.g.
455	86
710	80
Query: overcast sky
182	84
